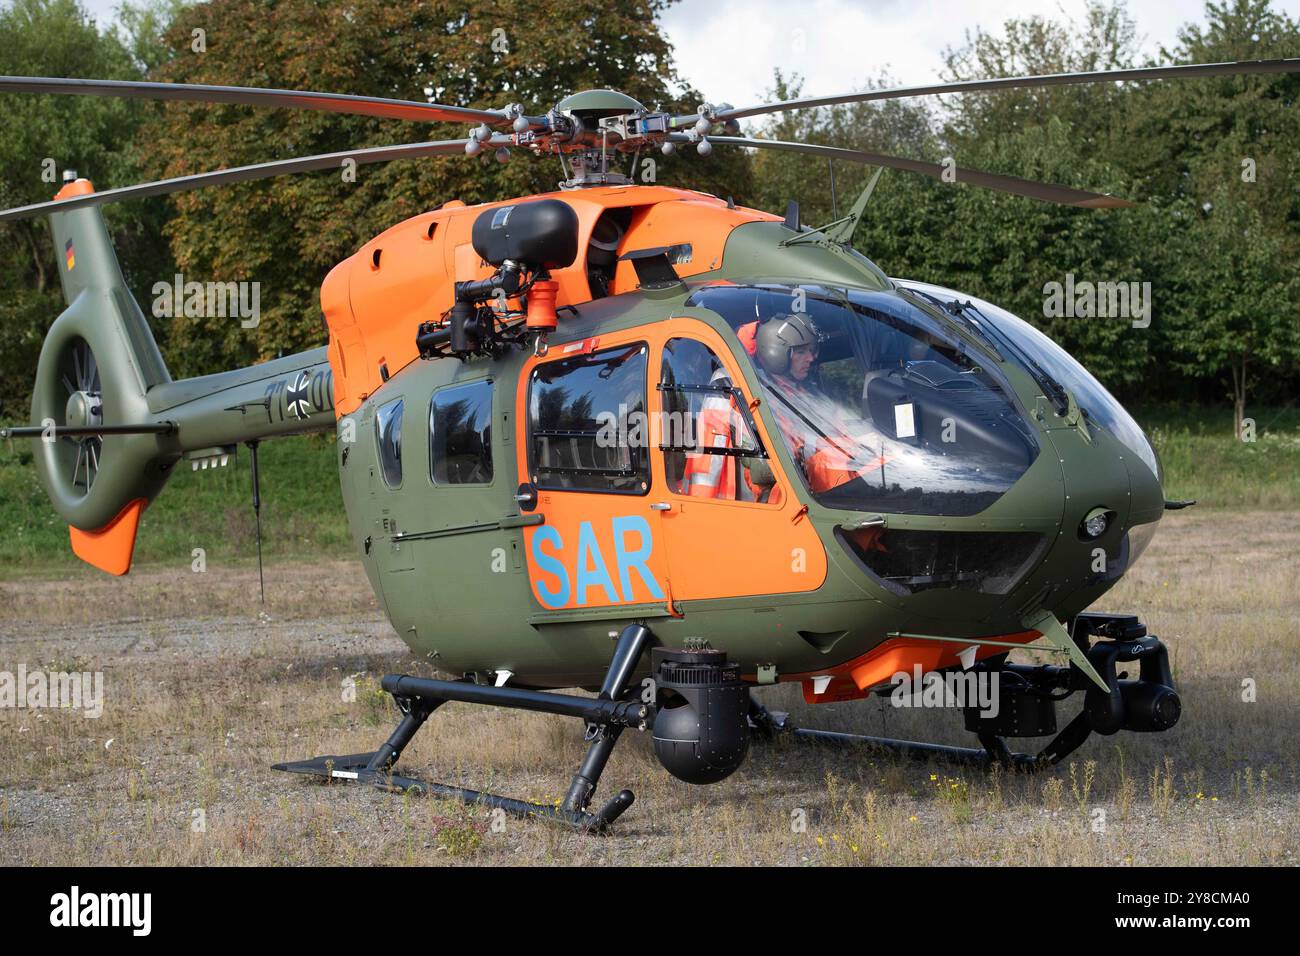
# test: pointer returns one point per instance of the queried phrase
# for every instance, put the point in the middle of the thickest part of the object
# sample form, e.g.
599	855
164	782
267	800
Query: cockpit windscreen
882	406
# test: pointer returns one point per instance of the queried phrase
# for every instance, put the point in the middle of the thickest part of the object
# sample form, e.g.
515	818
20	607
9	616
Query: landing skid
993	749
699	717
606	716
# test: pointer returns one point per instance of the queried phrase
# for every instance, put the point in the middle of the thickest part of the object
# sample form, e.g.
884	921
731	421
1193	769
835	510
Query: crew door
584	449
730	522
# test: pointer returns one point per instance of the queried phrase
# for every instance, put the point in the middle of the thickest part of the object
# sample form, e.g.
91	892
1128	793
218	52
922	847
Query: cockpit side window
460	435
711	447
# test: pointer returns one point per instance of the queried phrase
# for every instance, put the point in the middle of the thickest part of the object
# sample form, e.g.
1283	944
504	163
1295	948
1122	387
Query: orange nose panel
852	680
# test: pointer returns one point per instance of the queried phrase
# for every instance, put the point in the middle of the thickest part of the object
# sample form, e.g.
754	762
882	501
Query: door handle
526	496
661	506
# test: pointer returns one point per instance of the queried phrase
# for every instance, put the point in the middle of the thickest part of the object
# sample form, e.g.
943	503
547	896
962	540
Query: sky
727	49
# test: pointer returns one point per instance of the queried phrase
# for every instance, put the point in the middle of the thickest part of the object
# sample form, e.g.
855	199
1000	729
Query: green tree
1008	249
287	233
1240	299
1178	148
1001	247
40	138
1219	156
1105	39
893	127
1197	136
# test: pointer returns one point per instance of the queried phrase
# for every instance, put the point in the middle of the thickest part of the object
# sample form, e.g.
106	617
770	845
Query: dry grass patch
205	691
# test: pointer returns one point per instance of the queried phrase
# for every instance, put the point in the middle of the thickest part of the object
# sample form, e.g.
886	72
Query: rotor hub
84	410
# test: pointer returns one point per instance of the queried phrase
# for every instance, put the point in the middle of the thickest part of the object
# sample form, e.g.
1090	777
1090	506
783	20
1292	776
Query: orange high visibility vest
827	466
707	475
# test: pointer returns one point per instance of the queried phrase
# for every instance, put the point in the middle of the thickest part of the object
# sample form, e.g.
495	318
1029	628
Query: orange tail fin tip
111	547
78	187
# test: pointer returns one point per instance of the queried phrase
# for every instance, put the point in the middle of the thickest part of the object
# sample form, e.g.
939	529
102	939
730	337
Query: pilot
786	347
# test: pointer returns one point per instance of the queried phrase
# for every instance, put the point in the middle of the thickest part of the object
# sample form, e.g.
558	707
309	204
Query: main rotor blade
250	96
239	174
1048	192
1186	71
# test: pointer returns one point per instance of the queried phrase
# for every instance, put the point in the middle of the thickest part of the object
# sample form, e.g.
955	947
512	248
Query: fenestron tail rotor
109	425
79	375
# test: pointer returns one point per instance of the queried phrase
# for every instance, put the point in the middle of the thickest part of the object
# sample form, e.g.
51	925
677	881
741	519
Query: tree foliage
288	232
40	138
1211	164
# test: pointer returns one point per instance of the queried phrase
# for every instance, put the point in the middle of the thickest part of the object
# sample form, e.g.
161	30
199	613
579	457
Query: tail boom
113	423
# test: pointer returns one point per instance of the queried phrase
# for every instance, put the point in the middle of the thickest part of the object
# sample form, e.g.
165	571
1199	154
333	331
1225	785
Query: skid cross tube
994	749
621	713
606	716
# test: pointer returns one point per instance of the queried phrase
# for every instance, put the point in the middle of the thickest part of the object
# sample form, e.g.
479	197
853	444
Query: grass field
302	509
1203	460
204	691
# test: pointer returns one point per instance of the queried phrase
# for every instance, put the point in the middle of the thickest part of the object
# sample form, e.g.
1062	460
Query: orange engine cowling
375	300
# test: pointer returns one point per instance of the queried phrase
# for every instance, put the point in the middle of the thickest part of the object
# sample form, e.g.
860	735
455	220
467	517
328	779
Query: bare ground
204	690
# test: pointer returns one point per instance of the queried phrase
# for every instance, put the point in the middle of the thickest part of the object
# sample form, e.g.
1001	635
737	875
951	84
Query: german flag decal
71	256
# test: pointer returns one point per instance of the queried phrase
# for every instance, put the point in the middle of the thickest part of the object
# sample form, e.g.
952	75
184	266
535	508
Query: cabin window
460	435
388	436
710	446
587	427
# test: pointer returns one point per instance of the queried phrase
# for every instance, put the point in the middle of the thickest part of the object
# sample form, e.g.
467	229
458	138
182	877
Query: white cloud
104	12
727	49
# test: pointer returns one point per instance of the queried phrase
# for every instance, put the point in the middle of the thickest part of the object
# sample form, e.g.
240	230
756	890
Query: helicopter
661	447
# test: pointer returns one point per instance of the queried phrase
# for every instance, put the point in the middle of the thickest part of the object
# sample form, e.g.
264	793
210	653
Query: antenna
257	515
792	216
835	206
